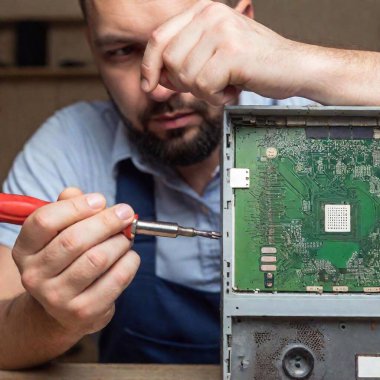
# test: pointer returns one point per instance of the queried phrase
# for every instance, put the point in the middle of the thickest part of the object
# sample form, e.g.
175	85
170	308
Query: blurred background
45	63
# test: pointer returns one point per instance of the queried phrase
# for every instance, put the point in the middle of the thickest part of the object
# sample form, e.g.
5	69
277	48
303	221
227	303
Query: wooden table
66	371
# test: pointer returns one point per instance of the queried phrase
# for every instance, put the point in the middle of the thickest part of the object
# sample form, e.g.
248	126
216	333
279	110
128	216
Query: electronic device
301	243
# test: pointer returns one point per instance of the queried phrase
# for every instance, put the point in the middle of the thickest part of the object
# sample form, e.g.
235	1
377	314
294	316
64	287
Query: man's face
174	128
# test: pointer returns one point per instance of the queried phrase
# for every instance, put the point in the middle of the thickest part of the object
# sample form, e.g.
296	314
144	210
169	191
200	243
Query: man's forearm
339	77
28	335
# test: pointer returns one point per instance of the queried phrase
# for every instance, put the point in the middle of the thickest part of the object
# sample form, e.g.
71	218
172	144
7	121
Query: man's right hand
74	260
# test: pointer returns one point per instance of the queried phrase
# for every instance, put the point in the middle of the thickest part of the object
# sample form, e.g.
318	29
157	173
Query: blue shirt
82	144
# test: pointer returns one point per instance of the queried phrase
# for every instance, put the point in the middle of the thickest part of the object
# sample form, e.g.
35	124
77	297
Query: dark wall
338	23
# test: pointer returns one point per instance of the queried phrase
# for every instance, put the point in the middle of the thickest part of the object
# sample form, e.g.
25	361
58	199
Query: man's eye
121	52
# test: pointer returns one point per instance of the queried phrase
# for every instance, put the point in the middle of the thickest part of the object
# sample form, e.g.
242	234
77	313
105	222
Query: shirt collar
122	147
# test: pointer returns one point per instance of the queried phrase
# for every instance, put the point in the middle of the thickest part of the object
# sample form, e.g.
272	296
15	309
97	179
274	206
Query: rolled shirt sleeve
64	152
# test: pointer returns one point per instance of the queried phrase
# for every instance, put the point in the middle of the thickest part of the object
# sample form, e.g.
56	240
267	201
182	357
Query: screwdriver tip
209	234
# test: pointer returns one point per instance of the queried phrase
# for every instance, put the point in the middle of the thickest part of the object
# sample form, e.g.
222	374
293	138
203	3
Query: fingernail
144	84
95	201
124	212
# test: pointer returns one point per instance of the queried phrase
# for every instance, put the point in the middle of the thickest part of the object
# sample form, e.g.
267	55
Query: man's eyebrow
112	39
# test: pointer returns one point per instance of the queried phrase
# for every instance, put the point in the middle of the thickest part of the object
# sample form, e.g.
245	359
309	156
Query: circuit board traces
310	220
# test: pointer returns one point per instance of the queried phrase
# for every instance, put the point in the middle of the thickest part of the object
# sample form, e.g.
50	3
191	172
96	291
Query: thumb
70	192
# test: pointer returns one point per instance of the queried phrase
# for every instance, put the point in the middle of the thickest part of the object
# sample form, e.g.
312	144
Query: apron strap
137	189
157	321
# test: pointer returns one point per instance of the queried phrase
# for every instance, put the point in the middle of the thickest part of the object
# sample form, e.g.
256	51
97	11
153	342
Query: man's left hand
214	52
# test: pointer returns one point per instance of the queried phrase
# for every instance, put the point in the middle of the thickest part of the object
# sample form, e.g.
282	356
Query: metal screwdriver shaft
171	230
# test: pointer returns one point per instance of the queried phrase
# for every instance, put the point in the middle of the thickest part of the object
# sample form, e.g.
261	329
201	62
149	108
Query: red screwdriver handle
14	209
130	231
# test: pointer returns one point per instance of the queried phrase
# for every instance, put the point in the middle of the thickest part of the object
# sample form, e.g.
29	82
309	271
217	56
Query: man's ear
245	7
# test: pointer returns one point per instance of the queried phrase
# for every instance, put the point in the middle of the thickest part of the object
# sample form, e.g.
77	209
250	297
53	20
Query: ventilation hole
270	341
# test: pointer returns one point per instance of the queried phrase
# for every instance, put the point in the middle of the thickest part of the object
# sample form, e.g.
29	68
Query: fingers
70	192
165	82
109	287
210	82
71	246
192	53
45	223
177	51
91	265
81	237
92	309
152	63
184	69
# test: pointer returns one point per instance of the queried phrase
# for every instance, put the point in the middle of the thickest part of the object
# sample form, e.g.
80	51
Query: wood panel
40	9
67	41
7	45
339	23
116	372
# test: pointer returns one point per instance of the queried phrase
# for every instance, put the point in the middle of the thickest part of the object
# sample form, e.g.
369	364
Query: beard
176	148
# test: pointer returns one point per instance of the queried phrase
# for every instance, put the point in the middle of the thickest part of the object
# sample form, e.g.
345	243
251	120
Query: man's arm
339	77
73	264
214	52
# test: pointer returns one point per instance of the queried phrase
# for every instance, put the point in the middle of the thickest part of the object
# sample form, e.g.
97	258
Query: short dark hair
82	4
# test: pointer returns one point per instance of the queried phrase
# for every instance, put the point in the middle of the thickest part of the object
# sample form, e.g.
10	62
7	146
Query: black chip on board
362	132
317	132
342	133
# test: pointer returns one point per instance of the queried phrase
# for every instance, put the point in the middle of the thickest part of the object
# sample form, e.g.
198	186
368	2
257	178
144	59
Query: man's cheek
129	104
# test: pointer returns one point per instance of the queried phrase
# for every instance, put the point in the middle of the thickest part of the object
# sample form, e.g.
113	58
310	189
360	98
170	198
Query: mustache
174	104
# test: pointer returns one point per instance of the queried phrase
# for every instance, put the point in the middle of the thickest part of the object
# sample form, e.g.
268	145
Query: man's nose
161	94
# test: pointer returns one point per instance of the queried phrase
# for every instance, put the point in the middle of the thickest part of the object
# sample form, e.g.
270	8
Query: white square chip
337	218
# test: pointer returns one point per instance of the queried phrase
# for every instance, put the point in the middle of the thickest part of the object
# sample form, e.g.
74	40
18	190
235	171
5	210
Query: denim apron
157	321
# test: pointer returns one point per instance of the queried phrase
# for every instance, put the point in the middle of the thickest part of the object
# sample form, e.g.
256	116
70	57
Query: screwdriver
15	209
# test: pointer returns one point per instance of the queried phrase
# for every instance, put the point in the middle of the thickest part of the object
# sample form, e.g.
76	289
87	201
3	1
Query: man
71	264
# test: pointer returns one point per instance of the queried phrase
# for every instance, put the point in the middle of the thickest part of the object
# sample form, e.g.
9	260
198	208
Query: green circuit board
310	220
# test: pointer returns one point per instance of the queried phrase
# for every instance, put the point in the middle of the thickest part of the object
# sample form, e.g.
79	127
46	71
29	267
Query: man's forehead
139	7
134	16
